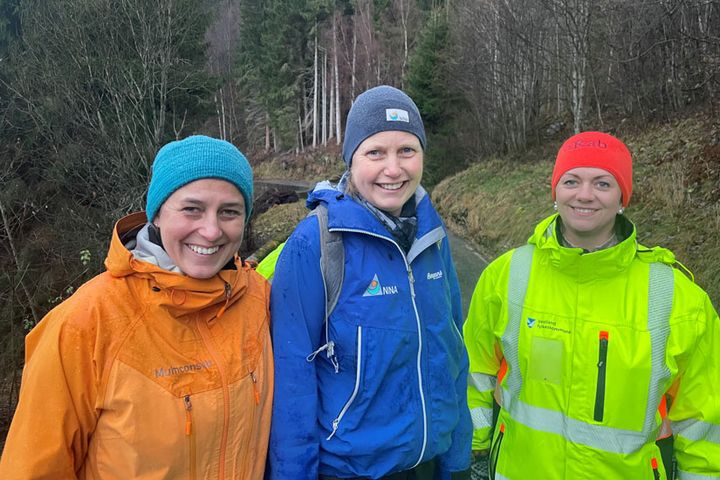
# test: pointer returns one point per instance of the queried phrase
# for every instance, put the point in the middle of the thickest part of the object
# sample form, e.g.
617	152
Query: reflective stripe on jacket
592	343
144	373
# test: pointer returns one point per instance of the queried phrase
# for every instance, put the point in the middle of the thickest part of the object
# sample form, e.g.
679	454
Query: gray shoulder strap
332	259
332	268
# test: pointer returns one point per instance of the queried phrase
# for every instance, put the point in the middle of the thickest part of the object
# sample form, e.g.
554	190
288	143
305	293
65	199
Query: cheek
236	233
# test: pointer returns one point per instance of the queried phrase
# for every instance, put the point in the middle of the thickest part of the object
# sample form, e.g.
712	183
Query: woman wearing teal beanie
160	367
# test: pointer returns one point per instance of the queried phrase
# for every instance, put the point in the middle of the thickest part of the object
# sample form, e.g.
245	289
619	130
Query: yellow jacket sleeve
695	408
481	332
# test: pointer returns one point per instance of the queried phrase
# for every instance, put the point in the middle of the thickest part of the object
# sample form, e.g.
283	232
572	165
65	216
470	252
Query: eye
191	210
374	154
231	213
407	152
570	182
603	184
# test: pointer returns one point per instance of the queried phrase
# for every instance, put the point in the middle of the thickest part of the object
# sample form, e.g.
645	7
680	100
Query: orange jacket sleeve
56	414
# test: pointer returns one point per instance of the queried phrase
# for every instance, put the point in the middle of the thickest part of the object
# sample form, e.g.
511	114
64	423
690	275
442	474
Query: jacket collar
576	263
178	293
344	213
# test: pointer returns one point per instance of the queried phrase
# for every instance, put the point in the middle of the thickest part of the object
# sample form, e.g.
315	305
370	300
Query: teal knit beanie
194	158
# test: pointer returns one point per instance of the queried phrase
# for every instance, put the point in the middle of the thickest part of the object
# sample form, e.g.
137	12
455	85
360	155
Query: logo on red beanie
586	144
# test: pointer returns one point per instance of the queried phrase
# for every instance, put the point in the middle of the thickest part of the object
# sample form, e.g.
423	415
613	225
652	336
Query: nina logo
375	289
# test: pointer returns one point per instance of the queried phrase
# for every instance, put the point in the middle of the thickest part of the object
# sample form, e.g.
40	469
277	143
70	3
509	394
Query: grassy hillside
675	203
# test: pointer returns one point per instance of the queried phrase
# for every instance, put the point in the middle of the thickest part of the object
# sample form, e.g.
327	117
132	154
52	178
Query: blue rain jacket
398	396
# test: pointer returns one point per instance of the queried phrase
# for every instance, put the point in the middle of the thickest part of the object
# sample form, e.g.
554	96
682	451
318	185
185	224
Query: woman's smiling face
588	199
202	226
386	169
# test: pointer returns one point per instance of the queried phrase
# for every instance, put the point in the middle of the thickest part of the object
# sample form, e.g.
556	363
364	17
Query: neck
590	243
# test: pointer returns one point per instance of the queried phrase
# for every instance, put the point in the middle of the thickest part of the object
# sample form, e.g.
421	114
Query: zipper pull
654	465
228	294
412	281
188	415
255	390
604	338
335	424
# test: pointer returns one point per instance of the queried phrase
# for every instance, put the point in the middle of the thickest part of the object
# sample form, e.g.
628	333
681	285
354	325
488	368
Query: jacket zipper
602	368
249	451
190	435
656	471
256	393
411	280
217	358
495	451
336	422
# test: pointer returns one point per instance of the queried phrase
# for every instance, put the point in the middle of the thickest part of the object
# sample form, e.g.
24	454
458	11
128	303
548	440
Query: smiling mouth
204	250
584	210
391	186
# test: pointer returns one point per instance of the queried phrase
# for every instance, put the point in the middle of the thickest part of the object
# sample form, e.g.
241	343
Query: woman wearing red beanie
594	347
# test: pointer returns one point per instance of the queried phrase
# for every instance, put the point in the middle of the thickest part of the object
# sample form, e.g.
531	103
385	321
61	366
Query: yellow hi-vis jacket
592	343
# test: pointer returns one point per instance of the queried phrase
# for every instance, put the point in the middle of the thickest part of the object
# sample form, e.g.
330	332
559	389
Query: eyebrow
603	176
196	201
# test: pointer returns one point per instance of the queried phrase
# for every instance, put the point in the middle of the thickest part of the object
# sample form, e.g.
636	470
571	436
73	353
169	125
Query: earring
555	206
620	211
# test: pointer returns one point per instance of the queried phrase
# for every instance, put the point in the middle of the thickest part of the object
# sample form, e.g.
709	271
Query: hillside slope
675	203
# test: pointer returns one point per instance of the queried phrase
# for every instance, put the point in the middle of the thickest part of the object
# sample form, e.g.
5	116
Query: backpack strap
332	268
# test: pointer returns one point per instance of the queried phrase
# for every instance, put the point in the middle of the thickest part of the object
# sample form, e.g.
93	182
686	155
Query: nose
585	192
210	228
392	166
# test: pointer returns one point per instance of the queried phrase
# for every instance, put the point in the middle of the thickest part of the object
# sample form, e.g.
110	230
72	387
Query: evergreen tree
429	85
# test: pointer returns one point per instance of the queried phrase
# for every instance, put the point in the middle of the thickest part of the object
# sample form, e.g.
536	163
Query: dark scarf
402	228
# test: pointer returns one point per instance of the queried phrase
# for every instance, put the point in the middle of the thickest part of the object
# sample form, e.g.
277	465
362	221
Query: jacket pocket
356	388
603	341
495	452
190	436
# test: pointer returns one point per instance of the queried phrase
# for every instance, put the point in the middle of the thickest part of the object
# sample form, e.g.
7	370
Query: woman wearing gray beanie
376	386
160	367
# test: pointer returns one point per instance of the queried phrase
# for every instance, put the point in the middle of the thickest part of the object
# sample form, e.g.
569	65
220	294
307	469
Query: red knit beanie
598	150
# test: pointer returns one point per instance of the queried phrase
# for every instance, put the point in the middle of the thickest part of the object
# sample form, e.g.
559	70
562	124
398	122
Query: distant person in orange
160	367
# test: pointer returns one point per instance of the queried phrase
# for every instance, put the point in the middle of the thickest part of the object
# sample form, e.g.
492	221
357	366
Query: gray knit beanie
194	158
380	109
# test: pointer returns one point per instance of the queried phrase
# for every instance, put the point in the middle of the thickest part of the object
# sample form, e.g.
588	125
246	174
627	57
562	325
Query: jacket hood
599	263
180	294
347	214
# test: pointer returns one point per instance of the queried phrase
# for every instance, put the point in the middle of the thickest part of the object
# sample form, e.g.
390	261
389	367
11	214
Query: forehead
389	138
206	188
588	172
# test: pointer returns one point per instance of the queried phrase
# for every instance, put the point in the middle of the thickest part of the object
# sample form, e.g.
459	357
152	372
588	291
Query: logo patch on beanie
587	144
396	115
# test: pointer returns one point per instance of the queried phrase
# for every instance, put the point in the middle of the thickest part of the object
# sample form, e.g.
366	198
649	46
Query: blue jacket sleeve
458	457
297	304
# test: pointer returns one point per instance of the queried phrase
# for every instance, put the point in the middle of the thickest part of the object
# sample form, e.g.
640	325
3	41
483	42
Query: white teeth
203	250
391	186
584	210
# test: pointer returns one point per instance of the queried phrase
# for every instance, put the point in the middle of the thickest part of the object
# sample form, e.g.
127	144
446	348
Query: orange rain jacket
144	373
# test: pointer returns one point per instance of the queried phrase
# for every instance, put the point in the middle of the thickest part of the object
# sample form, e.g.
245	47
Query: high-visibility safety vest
593	343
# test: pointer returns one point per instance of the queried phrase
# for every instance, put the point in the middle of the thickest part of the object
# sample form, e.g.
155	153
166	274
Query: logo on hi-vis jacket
375	289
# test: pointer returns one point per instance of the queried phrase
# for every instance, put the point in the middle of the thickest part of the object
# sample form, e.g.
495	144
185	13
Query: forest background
89	90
